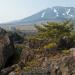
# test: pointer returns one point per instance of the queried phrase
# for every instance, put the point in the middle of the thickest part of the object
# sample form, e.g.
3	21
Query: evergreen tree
55	31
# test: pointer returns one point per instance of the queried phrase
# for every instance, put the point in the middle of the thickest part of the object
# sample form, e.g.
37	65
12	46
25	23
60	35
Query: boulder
26	55
72	51
8	70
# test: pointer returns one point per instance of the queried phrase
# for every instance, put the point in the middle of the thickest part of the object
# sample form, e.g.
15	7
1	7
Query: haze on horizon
11	10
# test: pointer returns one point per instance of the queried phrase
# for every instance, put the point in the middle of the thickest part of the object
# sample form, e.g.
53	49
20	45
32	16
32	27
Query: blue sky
17	9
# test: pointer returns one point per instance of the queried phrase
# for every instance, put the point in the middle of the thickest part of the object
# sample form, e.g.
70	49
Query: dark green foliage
17	38
65	43
58	32
18	50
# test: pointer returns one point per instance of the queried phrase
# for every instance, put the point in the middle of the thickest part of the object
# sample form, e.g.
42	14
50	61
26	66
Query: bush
18	49
56	31
33	63
27	68
50	46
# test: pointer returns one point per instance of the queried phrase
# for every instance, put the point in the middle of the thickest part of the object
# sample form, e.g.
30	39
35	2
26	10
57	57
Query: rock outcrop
26	55
64	65
6	47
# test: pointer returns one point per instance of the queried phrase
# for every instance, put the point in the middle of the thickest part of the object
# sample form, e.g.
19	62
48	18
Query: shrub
56	31
50	45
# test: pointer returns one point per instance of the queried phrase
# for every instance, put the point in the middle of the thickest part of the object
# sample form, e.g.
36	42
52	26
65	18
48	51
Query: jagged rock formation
26	55
58	65
65	67
6	47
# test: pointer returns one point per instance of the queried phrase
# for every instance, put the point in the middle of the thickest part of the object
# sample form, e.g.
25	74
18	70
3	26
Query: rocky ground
34	60
43	65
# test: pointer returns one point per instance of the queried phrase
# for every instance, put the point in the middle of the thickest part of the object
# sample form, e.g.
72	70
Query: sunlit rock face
72	50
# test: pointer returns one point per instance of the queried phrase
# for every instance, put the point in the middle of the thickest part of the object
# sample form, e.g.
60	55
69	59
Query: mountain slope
56	13
53	14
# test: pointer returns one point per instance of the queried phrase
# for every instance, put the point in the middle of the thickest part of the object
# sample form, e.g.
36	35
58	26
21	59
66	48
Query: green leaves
55	30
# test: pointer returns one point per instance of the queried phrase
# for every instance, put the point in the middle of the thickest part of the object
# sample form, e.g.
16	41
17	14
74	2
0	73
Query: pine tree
55	30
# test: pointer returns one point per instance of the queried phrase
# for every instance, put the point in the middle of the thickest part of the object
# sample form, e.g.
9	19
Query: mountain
57	13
